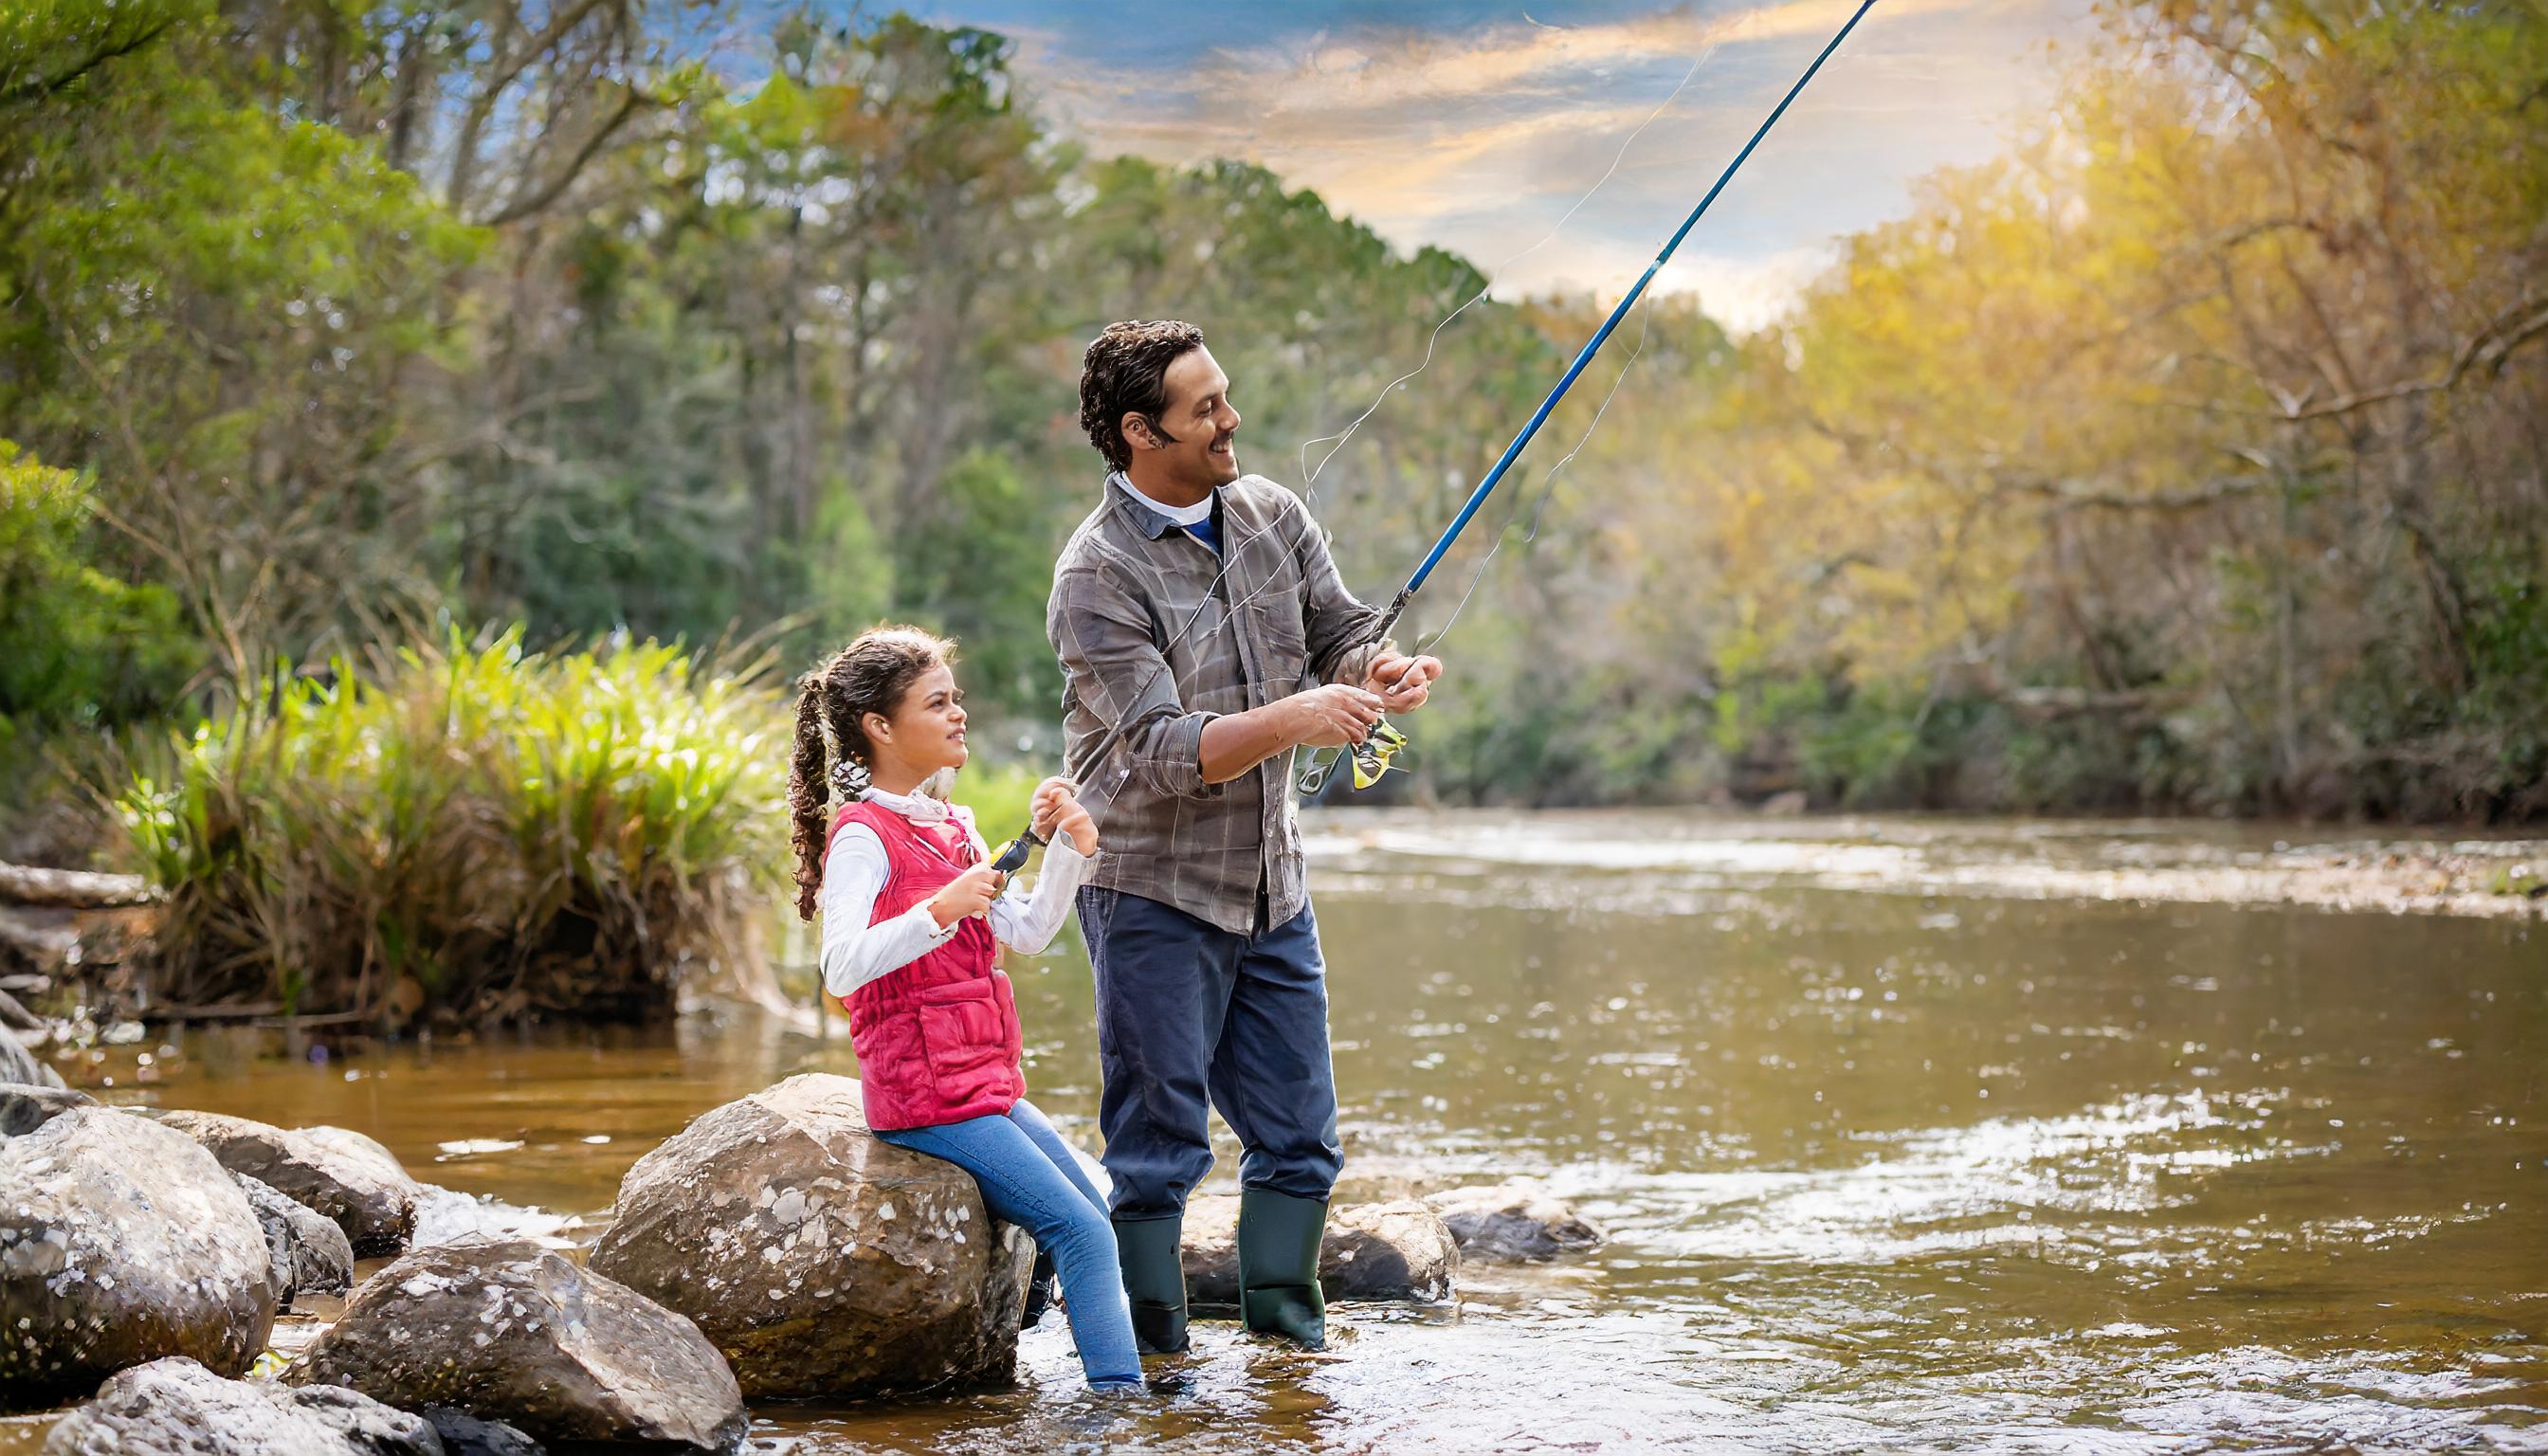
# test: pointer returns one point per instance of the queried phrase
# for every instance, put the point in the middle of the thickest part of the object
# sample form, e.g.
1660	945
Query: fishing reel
1370	758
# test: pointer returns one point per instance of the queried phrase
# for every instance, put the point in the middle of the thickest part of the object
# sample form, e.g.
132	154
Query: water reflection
1948	1168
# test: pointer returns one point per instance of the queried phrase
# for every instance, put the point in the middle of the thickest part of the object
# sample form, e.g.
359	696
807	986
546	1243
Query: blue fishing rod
1371	756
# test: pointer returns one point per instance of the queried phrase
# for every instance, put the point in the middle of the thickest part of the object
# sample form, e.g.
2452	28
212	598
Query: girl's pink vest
938	1040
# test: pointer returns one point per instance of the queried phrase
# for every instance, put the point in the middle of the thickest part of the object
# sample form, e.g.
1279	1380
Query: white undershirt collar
919	808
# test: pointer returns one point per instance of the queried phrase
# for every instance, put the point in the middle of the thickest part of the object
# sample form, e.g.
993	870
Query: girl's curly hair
869	675
1126	371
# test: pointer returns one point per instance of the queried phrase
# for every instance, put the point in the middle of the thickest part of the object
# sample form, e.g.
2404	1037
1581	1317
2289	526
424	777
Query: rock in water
309	1254
822	1260
23	1108
464	1435
18	1064
122	1241
1513	1223
177	1408
1375	1251
343	1177
514	1333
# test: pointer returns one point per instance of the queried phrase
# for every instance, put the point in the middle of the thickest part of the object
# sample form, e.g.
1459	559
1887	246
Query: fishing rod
1371	756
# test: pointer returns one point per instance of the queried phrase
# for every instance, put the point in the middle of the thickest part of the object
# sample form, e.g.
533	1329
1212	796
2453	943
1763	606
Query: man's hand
970	893
1333	716
1058	810
1402	683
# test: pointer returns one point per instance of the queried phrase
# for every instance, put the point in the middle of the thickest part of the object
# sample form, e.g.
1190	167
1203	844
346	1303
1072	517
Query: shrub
474	831
83	648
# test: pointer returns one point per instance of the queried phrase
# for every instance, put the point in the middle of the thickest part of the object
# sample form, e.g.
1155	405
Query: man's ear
1137	431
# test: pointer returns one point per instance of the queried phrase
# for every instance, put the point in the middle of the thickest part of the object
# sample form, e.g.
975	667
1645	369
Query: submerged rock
1374	1251
822	1260
309	1254
464	1435
514	1333
25	1107
1514	1223
341	1175
177	1408
122	1241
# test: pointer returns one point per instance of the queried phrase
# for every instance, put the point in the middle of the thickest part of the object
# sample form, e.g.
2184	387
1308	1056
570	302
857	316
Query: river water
1907	1134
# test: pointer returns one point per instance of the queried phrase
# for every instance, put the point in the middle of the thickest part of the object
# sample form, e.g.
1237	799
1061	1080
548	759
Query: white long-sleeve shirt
856	952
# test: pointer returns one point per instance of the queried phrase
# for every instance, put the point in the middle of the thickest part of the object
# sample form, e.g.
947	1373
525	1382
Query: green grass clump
468	831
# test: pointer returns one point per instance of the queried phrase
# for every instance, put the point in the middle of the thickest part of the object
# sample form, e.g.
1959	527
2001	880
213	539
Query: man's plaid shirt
1278	622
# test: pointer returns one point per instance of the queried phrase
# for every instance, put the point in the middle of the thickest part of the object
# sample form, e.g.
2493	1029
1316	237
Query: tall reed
468	831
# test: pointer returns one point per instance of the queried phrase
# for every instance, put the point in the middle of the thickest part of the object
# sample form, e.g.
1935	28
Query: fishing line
1309	476
1315	779
1547	487
1369	763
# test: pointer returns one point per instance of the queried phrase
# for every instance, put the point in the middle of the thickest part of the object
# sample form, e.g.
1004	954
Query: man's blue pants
1191	1016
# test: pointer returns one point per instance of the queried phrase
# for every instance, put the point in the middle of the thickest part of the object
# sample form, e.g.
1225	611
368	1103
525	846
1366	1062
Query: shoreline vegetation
2182	459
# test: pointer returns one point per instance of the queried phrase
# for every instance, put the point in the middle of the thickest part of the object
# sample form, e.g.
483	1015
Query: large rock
18	1064
25	1107
341	1175
1374	1251
822	1260
177	1408
510	1331
122	1241
309	1254
1513	1223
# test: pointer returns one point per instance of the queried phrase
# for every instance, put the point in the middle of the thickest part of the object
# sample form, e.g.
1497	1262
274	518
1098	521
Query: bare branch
523	206
2490	346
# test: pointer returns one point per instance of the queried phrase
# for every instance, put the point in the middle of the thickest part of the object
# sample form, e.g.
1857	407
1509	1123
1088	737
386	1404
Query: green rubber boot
1154	1280
1278	1266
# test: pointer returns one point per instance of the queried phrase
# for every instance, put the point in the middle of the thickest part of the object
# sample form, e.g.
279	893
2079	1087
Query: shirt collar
1146	516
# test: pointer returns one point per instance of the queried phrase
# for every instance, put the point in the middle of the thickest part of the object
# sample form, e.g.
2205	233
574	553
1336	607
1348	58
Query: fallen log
71	889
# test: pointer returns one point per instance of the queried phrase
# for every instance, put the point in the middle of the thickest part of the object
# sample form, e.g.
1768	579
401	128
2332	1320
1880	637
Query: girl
912	910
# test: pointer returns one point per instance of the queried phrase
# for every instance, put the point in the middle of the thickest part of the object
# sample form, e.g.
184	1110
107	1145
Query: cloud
1478	138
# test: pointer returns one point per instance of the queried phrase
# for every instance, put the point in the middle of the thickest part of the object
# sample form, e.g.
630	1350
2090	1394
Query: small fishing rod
1371	756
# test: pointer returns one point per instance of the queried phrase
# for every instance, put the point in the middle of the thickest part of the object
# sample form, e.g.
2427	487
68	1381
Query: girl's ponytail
810	791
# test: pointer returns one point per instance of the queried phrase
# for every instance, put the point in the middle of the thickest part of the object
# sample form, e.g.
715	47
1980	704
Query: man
1202	606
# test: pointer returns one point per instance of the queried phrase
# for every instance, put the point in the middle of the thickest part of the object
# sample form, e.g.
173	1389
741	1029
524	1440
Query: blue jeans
1030	1178
1191	1016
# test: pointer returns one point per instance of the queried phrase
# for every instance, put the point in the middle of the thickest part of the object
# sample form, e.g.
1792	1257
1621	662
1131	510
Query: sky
1477	126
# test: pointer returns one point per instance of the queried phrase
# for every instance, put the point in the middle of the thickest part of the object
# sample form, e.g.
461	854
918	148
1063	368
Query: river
1910	1134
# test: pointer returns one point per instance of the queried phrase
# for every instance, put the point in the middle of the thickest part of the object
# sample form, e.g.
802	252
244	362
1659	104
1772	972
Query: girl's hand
1047	806
1076	822
970	893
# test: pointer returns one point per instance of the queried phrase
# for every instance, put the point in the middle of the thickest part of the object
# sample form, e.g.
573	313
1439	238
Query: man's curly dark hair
1126	371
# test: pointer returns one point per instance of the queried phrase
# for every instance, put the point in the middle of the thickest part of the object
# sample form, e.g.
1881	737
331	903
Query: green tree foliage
85	648
2186	455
